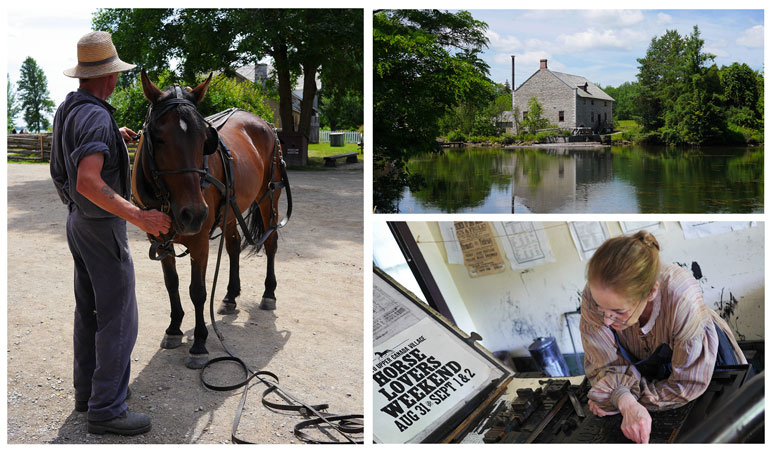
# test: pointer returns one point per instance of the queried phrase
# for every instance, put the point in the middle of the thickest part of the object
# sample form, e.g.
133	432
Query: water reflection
617	180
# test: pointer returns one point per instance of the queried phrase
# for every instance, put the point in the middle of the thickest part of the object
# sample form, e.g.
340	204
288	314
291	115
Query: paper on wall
453	253
525	243
588	236
479	246
633	227
695	230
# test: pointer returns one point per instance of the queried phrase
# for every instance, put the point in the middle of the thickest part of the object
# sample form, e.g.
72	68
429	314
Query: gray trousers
106	318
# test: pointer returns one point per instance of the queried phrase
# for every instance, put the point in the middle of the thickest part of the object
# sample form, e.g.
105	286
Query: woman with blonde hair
650	341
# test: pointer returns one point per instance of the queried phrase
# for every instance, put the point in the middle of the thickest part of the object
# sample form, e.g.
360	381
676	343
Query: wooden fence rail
37	147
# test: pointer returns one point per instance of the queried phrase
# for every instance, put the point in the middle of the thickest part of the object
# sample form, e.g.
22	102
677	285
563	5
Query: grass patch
629	131
316	152
23	158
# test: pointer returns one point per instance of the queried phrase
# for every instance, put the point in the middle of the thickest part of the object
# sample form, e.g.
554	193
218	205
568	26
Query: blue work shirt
83	125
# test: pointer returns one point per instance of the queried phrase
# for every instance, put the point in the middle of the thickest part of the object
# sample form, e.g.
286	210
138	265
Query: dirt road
312	341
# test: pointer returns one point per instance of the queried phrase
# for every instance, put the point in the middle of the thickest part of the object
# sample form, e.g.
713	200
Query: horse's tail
255	227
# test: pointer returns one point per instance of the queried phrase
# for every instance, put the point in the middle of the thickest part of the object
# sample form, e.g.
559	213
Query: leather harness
160	249
344	424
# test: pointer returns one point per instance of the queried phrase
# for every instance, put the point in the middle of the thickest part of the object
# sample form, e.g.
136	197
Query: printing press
506	407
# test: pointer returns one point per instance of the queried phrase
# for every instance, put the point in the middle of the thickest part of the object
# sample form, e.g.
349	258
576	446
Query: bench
331	161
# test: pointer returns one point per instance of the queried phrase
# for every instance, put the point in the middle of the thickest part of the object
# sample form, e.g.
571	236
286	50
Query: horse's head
178	137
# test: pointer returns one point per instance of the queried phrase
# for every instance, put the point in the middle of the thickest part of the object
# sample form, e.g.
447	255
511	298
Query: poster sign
633	227
423	373
525	243
479	246
588	236
695	230
419	378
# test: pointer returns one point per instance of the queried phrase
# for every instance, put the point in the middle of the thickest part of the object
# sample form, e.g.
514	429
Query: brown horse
182	167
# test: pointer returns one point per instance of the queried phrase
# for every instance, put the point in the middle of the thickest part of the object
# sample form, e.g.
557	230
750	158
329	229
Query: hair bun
648	239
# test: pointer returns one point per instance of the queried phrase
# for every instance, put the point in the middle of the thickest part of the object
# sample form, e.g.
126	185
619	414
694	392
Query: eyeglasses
595	308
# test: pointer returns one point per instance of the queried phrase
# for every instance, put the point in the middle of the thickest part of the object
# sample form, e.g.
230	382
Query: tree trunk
309	90
284	87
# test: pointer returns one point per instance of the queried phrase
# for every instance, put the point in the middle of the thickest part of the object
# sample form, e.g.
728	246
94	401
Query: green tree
625	97
534	120
658	78
309	42
426	62
223	93
740	87
13	108
678	97
342	110
34	96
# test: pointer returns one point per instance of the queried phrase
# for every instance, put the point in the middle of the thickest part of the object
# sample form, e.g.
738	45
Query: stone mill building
568	101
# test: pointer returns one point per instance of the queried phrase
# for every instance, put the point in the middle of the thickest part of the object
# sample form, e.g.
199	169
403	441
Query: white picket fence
351	137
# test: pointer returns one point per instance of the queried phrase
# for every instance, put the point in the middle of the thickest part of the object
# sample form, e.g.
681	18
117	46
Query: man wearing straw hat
90	169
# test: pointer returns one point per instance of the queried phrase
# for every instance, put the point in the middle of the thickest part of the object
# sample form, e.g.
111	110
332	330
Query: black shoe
126	424
82	405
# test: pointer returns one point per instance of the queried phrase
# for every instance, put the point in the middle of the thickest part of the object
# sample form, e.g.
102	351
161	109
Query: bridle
160	190
159	249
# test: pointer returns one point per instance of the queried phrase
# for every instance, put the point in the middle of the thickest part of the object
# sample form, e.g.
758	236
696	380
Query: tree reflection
463	179
660	180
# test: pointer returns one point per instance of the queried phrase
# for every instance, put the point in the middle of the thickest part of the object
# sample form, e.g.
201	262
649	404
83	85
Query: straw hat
97	57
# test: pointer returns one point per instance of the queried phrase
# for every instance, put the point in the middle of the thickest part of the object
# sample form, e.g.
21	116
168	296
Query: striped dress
680	319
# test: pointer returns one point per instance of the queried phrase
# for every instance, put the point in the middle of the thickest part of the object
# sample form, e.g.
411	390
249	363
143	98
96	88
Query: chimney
513	82
543	64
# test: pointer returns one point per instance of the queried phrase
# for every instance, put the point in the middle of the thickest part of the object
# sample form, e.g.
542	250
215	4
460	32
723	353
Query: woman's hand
637	423
598	411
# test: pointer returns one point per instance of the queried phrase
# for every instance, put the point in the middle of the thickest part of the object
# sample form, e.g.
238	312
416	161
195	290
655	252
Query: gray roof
575	81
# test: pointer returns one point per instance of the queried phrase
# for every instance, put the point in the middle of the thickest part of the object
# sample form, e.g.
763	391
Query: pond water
629	179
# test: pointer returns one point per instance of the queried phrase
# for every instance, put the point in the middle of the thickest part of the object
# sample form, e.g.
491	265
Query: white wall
512	308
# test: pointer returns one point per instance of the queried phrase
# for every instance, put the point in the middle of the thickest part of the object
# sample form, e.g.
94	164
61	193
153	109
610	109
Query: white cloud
664	18
621	17
502	42
716	51
753	37
592	39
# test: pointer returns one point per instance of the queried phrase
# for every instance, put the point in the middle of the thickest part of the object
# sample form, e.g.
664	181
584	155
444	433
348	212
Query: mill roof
577	82
590	91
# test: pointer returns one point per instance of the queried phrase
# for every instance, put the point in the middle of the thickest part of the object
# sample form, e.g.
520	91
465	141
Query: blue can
548	358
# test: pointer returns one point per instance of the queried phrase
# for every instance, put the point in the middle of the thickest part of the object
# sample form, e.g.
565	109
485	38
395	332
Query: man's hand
92	186
128	134
598	411
637	423
153	222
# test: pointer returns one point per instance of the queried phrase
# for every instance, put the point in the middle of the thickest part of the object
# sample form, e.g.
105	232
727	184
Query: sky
603	45
49	35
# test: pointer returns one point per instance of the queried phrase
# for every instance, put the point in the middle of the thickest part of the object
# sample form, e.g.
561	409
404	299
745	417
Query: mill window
561	116
524	115
592	116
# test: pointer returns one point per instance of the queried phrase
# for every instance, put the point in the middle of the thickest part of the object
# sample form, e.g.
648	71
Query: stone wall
599	107
552	93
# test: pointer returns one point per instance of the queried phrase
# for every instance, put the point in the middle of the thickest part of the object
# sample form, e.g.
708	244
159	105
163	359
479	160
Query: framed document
429	378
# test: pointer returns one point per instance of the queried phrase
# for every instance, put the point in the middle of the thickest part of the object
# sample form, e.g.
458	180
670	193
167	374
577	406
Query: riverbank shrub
737	134
456	136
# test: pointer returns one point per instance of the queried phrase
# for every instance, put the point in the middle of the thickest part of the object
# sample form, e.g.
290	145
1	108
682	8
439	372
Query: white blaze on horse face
183	125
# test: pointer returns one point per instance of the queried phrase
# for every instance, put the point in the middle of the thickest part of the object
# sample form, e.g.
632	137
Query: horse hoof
227	308
171	341
197	361
267	304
